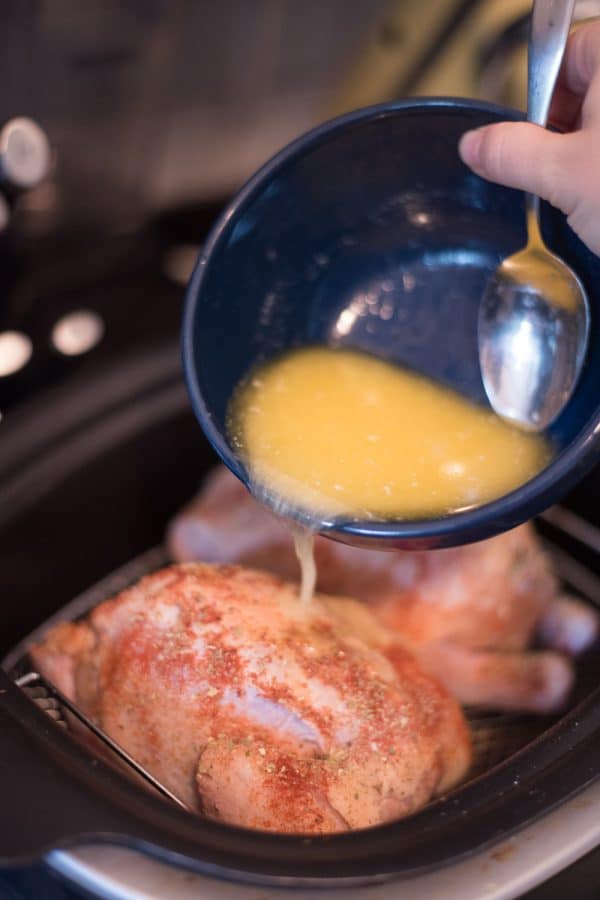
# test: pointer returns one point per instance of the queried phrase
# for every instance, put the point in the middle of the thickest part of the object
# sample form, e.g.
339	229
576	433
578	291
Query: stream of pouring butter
304	545
303	536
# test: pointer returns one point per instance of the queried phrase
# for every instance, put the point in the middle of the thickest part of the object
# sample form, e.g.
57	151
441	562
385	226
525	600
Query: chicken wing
468	613
259	710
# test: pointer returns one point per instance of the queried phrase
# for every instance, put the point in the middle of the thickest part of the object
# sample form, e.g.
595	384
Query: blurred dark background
143	116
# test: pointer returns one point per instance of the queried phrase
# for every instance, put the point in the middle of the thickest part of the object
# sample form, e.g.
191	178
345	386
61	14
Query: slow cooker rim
543	774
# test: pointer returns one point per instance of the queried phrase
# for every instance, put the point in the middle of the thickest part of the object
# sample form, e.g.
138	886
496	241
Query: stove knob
24	154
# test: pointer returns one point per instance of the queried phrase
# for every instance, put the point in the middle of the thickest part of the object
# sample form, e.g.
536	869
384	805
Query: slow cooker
88	480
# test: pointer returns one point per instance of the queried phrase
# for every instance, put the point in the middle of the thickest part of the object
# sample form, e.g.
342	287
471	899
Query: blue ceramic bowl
376	205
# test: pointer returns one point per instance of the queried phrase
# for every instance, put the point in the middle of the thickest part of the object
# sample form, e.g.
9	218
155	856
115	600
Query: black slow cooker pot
89	476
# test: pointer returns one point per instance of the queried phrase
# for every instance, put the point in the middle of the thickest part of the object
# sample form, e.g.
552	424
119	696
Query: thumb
525	156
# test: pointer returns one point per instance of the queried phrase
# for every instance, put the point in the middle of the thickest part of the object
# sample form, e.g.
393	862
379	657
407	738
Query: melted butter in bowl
341	434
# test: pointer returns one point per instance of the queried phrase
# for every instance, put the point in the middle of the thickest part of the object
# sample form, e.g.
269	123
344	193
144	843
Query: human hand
563	169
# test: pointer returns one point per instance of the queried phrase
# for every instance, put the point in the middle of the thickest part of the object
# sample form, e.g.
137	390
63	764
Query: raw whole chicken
257	709
468	613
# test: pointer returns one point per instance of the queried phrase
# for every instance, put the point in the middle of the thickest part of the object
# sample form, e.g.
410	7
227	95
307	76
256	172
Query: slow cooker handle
48	786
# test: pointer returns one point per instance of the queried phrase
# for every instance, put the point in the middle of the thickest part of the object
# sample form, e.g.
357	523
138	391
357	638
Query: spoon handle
548	33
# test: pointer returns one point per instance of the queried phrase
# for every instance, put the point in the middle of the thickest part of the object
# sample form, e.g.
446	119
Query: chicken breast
469	613
257	709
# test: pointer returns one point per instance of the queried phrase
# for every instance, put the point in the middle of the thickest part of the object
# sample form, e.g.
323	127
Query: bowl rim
505	512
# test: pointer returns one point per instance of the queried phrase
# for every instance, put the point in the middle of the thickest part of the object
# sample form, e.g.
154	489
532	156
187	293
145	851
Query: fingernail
469	147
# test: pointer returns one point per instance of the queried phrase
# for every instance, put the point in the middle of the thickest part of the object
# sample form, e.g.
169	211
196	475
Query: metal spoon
534	315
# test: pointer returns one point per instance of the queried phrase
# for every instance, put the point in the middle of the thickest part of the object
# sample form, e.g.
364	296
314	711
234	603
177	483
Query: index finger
582	58
580	64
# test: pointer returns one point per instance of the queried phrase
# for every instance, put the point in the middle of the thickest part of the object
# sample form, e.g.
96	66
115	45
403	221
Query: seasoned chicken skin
257	709
468	613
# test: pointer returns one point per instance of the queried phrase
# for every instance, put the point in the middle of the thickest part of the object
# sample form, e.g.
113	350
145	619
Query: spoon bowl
533	332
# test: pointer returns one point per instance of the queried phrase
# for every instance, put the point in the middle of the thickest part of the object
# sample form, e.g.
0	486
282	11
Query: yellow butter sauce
339	432
304	545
